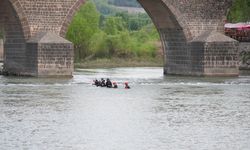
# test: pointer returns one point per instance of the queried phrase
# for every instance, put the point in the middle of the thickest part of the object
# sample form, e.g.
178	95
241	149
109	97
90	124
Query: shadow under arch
174	34
13	23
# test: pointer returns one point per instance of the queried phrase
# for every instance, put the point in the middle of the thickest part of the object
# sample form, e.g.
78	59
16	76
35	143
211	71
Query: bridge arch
179	22
165	16
22	17
173	30
16	31
69	17
169	22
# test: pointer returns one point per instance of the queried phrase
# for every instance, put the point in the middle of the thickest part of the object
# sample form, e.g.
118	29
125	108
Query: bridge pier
214	54
210	54
192	39
49	55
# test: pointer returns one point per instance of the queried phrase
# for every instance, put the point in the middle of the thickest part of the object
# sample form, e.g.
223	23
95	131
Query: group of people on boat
107	83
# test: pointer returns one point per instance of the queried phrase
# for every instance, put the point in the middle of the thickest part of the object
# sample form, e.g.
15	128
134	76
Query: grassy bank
118	62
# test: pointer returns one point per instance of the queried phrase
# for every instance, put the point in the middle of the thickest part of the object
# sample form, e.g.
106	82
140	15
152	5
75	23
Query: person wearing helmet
103	84
127	86
115	85
96	83
109	83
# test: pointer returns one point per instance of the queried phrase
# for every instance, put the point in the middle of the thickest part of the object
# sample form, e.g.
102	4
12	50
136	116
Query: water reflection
157	113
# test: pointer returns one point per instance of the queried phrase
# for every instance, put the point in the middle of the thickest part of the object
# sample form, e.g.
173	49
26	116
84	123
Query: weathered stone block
244	54
50	55
218	56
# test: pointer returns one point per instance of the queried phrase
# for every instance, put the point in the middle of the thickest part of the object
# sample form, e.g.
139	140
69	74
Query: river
158	112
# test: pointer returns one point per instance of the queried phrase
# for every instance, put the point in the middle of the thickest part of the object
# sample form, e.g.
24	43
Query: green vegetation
84	25
112	34
244	56
117	62
240	11
1	33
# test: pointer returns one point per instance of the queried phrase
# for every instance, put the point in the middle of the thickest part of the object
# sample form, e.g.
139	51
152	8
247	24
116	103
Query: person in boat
127	86
109	83
115	85
103	83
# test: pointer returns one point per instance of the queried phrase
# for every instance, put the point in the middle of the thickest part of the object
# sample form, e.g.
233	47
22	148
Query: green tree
114	25
240	11
83	26
118	34
99	45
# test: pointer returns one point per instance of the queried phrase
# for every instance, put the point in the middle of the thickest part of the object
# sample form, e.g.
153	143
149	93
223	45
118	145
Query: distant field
132	9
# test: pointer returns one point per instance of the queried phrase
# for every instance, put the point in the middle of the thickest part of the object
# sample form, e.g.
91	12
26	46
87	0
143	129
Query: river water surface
157	113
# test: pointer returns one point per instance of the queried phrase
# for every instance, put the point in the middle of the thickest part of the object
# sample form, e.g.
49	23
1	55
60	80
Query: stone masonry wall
244	53
14	47
178	22
200	15
48	15
55	59
181	21
176	60
32	59
197	57
194	16
221	59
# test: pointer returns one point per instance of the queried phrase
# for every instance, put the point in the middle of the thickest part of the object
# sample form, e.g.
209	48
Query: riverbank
118	62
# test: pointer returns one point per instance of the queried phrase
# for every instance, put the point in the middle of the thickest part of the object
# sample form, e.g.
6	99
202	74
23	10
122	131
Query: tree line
121	35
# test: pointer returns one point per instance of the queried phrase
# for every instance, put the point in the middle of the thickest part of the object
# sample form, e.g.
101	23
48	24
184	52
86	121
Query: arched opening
173	36
172	33
184	32
13	39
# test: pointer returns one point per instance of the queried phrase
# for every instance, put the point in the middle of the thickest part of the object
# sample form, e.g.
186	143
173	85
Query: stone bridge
191	33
